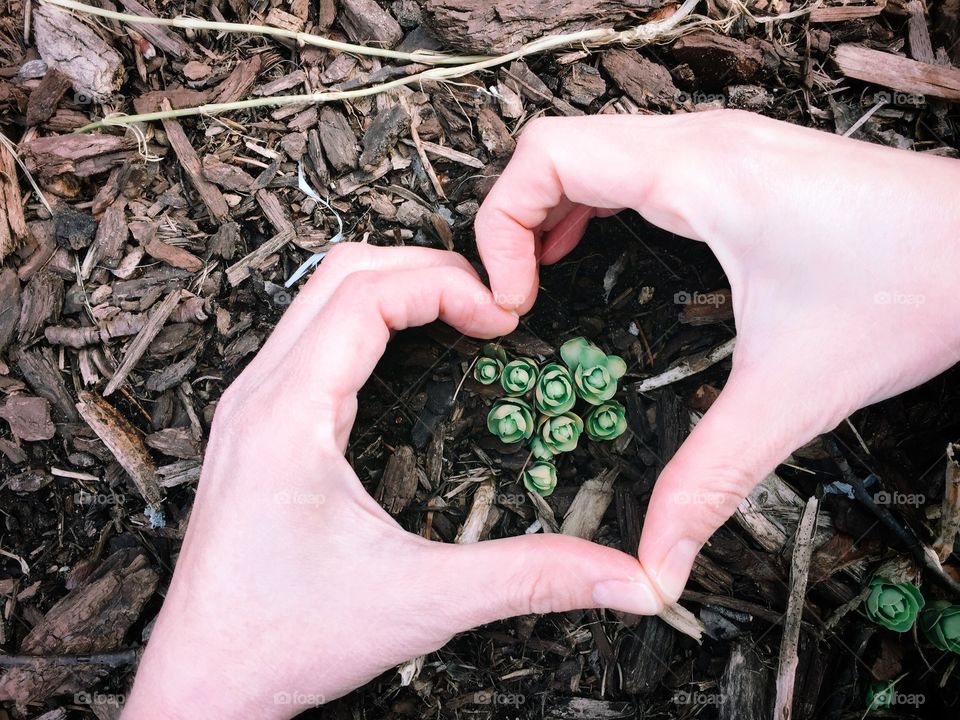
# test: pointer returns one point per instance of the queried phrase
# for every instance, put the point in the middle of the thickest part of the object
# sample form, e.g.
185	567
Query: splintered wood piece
688	366
138	346
365	22
226	175
399	482
447	153
476	522
799	572
10	309
421	152
164	38
65	42
273	211
240	82
589	506
124	443
918	32
744	685
240	270
13	225
41	303
842	13
81	155
949	507
39	368
208	192
899	73
107	246
95	617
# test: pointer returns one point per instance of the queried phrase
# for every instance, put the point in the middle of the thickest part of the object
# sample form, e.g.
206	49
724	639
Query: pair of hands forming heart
307	598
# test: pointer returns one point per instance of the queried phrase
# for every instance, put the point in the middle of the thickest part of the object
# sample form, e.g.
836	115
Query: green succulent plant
487	370
557	435
893	605
519	376
511	420
541	478
595	374
554	393
940	622
880	695
606	421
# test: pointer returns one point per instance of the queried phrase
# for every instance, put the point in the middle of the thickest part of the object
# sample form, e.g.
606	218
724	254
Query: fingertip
635	597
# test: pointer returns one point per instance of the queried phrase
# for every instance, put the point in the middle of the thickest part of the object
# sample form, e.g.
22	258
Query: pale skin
841	258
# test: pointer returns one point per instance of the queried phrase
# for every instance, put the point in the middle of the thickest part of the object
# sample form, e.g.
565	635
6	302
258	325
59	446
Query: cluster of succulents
897	606
540	402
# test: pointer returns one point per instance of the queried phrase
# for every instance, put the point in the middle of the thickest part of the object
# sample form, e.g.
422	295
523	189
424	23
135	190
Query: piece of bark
494	133
13	225
281	19
477	519
226	175
583	84
240	271
39	369
366	23
70	46
382	135
899	73
224	241
918	33
175	442
524	81
172	255
81	155
170	376
744	686
164	38
304	120
29	481
10	305
294	145
93	618
29	417
273	211
843	13
41	303
73	229
588	507
640	652
447	153
178	97
136	348
120	325
111	236
209	193
13	452
240	82
338	140
348	184
399	482
718	60
46	96
646	83
485	27
124	443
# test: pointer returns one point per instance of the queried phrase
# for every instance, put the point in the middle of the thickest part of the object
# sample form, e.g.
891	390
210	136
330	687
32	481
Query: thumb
739	441
496	579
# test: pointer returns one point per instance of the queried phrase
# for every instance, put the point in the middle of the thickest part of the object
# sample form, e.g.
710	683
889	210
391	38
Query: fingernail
673	573
633	597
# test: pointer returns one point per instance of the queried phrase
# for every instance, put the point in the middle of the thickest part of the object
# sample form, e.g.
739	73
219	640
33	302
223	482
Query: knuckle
537	131
535	595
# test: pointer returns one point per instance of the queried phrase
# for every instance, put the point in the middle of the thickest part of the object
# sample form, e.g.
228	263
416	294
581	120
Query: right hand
841	257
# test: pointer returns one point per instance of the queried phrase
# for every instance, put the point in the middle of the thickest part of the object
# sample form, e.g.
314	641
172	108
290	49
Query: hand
841	257
293	586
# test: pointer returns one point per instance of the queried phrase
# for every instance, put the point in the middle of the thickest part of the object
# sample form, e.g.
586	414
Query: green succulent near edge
511	420
557	434
880	695
541	478
940	622
606	421
554	393
519	376
595	374
487	370
893	605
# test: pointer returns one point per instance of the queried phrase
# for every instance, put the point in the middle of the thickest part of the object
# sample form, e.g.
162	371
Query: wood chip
338	140
399	482
899	73
240	82
366	23
13	226
46	96
81	155
39	369
646	83
383	134
718	60
163	37
29	418
137	346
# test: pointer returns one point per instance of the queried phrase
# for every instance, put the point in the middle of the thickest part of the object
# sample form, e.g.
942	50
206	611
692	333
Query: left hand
293	586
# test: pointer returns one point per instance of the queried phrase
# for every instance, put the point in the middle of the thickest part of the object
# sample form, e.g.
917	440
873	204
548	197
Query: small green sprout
511	420
541	478
606	422
554	394
940	622
519	376
595	374
487	370
893	605
560	434
880	695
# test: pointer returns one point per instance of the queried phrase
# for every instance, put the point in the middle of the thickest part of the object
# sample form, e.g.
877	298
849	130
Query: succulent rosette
554	393
519	376
893	605
487	370
606	421
940	622
511	420
595	374
880	695
560	434
541	478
